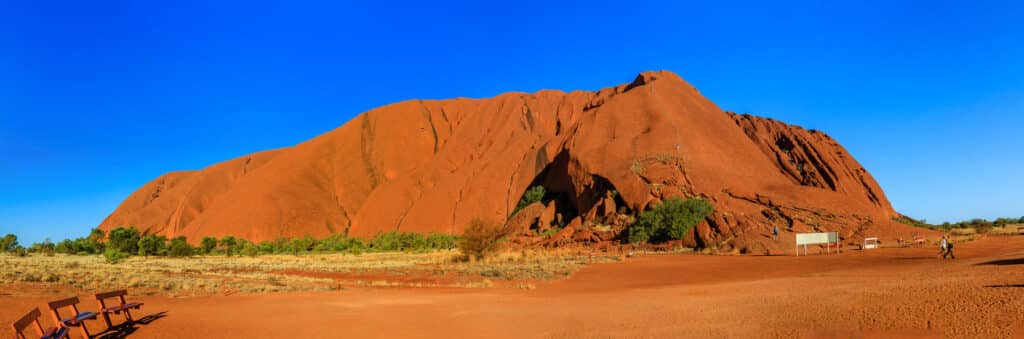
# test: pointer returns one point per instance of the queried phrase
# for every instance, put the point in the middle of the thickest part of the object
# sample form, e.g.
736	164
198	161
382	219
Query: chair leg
128	316
106	318
85	331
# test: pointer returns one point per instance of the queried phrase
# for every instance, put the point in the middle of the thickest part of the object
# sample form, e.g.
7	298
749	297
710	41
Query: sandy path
886	292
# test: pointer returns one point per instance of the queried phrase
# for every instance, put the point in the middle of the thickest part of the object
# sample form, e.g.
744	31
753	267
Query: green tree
114	256
46	247
179	247
207	245
248	249
671	220
125	240
8	243
228	243
152	245
532	195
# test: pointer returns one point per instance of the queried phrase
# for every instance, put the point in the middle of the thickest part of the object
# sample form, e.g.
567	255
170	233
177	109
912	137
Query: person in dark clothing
949	250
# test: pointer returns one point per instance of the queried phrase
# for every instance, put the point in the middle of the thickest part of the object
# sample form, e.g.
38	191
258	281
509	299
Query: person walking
949	250
942	247
775	233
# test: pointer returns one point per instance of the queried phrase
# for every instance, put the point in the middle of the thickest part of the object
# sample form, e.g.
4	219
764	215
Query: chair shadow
125	329
1003	262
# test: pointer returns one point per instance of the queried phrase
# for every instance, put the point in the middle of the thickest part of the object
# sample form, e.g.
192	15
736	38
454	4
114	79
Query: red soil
433	165
904	292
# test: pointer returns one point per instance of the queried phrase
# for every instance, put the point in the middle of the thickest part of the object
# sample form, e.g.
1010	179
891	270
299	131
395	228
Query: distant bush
227	244
482	238
207	245
248	249
125	240
670	220
114	256
152	245
8	243
179	247
532	195
441	241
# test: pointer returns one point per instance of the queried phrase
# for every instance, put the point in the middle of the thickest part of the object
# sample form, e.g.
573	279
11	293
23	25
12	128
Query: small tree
228	243
125	240
8	243
179	247
248	249
671	220
207	244
152	245
482	238
532	195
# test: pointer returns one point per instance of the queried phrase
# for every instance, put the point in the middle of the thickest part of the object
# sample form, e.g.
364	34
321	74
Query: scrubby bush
441	241
114	256
670	220
125	240
265	247
532	195
248	249
8	243
179	247
152	245
482	238
45	247
228	244
207	245
398	241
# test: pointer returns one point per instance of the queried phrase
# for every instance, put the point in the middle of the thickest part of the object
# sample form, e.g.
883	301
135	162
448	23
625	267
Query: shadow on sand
1006	286
126	329
1003	262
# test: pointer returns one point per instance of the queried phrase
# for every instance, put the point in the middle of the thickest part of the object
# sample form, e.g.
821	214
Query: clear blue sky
98	98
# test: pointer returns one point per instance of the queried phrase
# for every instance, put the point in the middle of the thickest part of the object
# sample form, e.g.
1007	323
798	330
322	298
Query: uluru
434	165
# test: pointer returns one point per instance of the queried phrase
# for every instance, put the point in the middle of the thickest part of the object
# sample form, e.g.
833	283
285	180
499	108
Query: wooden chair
123	306
77	318
33	317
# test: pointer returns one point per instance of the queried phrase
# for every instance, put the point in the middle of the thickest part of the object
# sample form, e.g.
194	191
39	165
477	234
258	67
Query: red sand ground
904	292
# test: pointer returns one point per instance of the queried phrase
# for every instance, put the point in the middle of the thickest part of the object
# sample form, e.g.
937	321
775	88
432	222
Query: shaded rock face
434	165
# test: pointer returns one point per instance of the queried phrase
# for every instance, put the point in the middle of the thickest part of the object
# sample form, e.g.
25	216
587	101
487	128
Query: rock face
433	165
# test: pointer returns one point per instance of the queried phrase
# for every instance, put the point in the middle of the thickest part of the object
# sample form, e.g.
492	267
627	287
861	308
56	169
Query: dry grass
273	273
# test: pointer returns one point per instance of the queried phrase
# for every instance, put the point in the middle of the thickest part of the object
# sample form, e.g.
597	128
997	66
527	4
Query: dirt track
903	292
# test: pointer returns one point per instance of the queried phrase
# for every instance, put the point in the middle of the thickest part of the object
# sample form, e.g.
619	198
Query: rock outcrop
433	165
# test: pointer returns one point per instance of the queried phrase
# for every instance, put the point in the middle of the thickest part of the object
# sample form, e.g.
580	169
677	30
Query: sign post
826	238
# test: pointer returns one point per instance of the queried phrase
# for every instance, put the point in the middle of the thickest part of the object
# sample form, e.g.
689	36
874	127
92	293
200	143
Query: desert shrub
441	241
8	243
550	231
228	244
114	256
532	195
248	249
337	243
983	228
301	245
45	247
265	247
398	241
482	238
670	220
179	247
152	245
207	245
125	240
